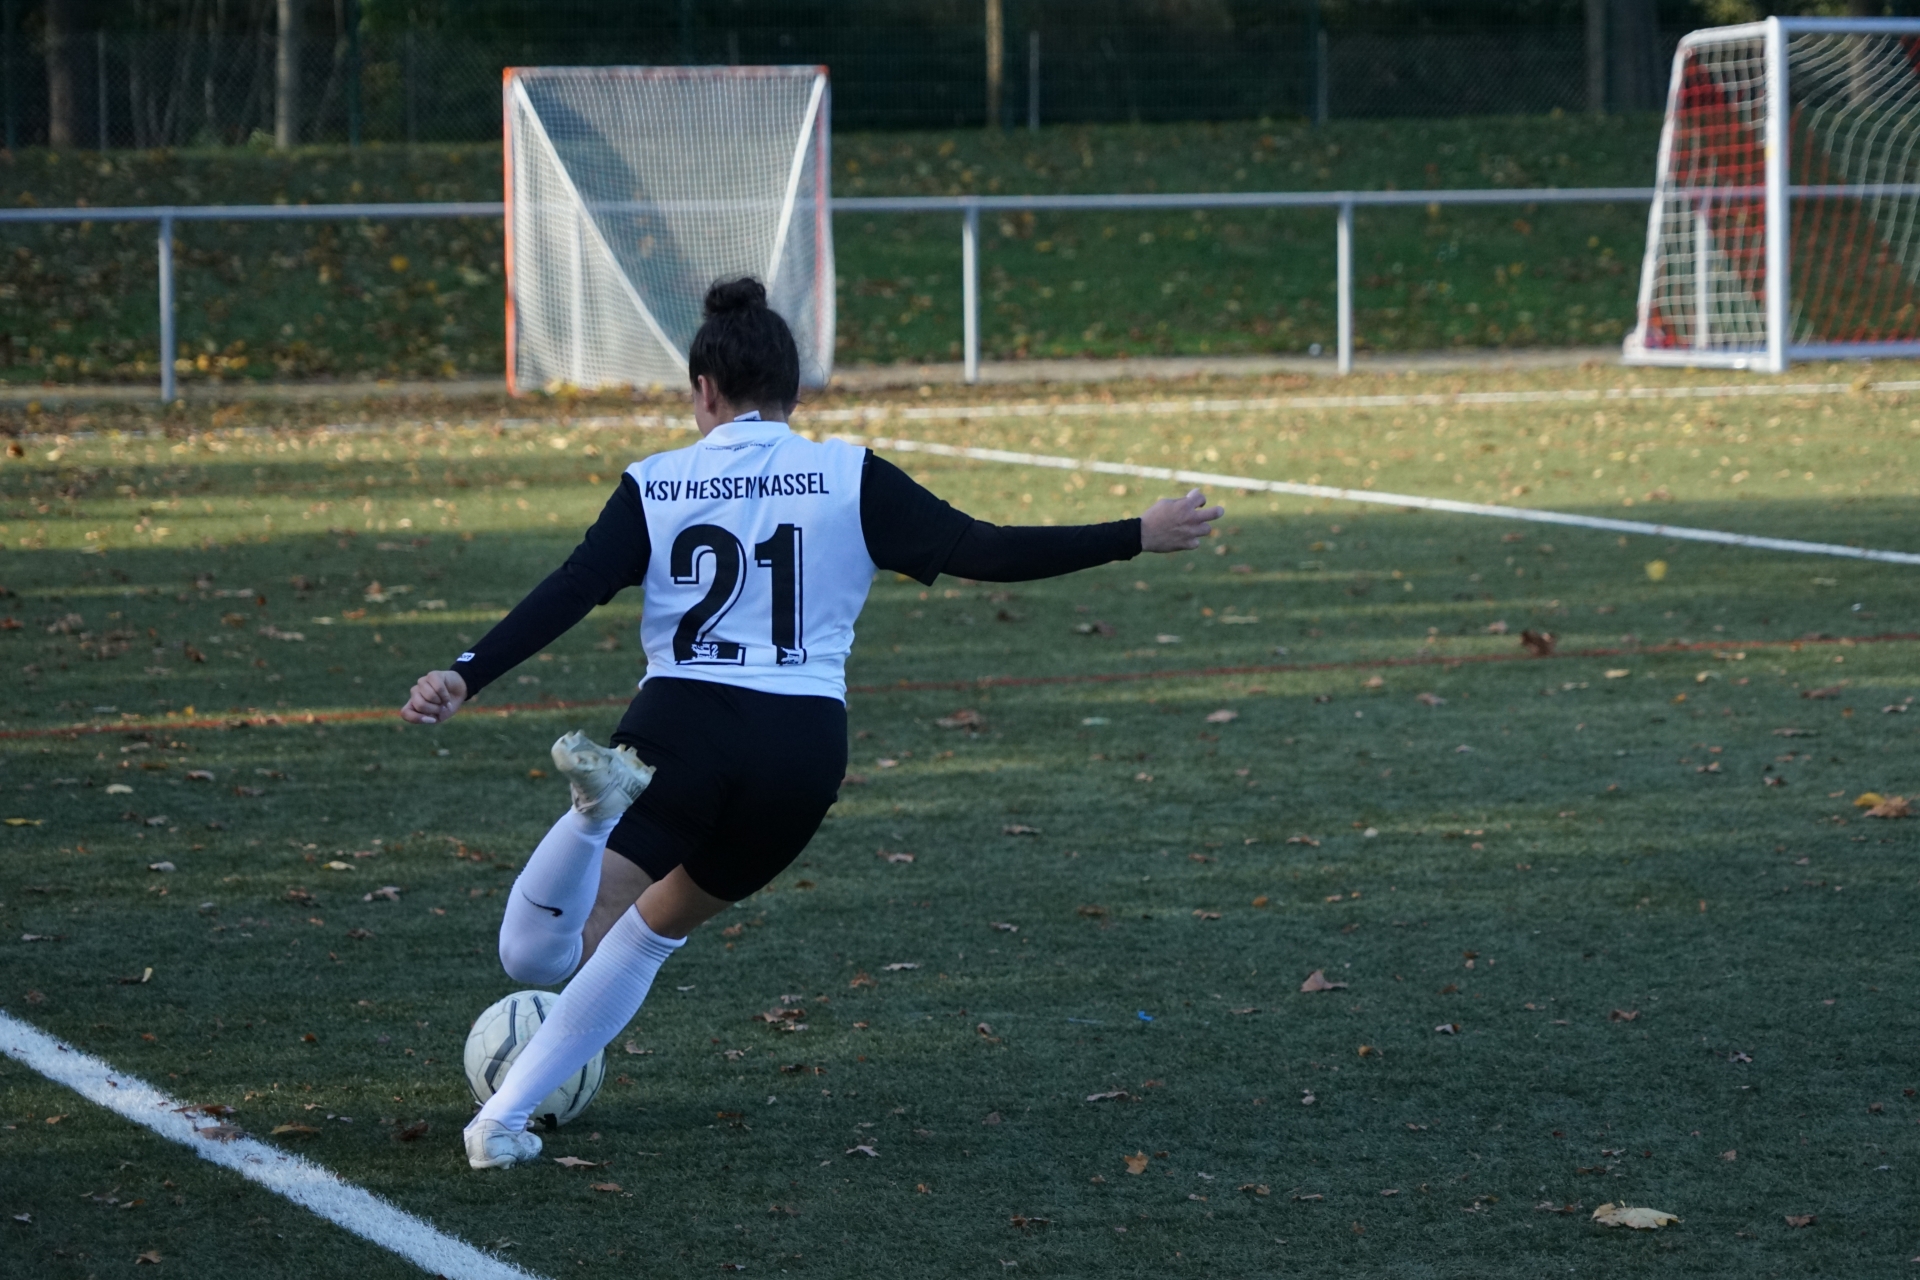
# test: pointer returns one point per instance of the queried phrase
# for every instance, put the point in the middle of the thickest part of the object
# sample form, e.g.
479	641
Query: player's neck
724	413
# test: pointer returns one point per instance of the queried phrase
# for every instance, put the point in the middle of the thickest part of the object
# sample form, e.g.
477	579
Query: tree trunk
1633	43
996	60
1597	57
286	75
63	125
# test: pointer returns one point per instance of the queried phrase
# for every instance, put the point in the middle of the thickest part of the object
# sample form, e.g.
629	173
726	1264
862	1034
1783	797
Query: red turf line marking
354	714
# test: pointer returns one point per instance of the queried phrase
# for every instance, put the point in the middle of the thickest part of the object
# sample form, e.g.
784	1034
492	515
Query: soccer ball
497	1037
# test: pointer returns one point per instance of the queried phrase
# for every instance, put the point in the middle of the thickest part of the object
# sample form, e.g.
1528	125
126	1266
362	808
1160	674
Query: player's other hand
435	697
1178	524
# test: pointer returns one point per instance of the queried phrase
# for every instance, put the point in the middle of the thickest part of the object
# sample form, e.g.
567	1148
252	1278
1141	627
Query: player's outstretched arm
436	696
1178	524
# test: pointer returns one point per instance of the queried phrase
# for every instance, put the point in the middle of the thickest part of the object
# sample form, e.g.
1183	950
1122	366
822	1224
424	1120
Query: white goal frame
1772	332
646	352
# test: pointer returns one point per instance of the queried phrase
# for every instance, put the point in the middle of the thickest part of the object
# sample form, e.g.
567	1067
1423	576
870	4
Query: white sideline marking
295	1177
1683	532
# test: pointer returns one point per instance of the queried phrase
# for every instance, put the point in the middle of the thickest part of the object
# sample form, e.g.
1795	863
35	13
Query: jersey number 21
692	642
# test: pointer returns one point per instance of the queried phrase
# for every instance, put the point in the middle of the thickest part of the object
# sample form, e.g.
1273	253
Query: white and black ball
495	1041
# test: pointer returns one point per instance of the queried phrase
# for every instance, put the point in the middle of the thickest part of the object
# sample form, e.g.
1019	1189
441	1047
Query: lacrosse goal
629	190
1786	211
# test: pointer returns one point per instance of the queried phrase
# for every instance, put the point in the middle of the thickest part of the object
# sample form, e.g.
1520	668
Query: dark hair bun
746	348
744	294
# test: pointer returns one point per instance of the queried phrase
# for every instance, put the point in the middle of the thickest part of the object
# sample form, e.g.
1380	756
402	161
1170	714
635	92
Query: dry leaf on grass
603	1186
899	965
1448	1028
1619	1215
150	1258
1801	1219
1112	1095
1255	1188
1868	799
1224	715
1891	807
575	1162
1623	1015
221	1132
300	1130
1430	699
1538	643
1137	1162
1019	829
863	1149
1317	981
965	718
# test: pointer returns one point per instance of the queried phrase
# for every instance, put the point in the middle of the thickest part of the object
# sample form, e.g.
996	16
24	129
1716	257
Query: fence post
970	291
353	72
1343	287
168	393
100	81
7	78
1033	82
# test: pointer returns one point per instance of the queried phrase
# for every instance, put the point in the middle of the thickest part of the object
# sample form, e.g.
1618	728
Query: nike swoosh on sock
557	912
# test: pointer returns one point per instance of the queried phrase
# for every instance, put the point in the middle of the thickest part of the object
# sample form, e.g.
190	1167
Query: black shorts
743	781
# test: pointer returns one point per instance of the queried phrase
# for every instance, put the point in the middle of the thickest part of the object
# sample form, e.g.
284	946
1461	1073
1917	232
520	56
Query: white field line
1250	483
295	1177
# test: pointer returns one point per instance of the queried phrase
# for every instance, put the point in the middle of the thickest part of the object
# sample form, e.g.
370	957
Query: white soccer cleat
491	1145
605	779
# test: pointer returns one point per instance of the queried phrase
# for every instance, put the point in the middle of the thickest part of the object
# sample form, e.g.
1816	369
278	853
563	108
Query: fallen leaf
1729	1156
863	1149
893	856
1137	1162
199	775
303	1130
1004	927
391	892
150	1258
221	1132
604	1186
1205	915
1430	699
1112	1095
1656	570
1313	1196
1448	1028
1617	673
1022	1222
359	935
1801	1219
1255	1188
1892	807
1538	643
575	1162
1619	1215
1019	829
1317	981
899	965
1369	1051
1224	715
1497	628
863	979
1623	1015
965	718
24	822
119	789
1830	691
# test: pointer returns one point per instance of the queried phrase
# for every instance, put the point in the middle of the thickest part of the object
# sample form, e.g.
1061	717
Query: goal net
1786	212
630	190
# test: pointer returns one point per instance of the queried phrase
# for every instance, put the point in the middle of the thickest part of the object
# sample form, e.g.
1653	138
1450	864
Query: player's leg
621	884
552	898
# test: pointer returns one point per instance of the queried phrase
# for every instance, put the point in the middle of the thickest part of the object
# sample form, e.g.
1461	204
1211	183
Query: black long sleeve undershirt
907	529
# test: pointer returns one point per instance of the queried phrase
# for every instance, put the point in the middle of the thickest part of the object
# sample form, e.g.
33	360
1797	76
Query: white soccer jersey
759	564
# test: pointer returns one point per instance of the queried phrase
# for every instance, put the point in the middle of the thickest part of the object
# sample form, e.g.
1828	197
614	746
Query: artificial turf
1675	983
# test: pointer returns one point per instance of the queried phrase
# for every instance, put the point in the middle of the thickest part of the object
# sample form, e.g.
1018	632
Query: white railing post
1343	287
1777	211
970	290
168	392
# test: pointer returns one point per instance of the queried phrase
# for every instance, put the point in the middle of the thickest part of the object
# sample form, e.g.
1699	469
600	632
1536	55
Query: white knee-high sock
601	999
548	906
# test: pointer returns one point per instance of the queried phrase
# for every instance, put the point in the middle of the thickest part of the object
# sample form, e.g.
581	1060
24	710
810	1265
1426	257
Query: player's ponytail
745	347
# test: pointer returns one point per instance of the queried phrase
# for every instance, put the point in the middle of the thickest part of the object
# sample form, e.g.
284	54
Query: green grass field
1677	954
77	303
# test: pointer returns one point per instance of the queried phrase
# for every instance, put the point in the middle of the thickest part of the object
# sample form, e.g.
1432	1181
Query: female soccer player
755	548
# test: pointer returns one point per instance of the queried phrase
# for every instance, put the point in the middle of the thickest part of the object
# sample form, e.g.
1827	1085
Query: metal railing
1342	203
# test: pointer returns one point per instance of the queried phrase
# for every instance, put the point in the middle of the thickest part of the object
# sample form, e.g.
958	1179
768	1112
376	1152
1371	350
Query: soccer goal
1786	210
629	190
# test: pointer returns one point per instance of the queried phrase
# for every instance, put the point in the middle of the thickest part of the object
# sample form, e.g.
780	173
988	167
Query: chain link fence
356	82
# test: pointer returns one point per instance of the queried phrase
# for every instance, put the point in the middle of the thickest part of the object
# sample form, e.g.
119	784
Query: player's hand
1178	524
435	697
